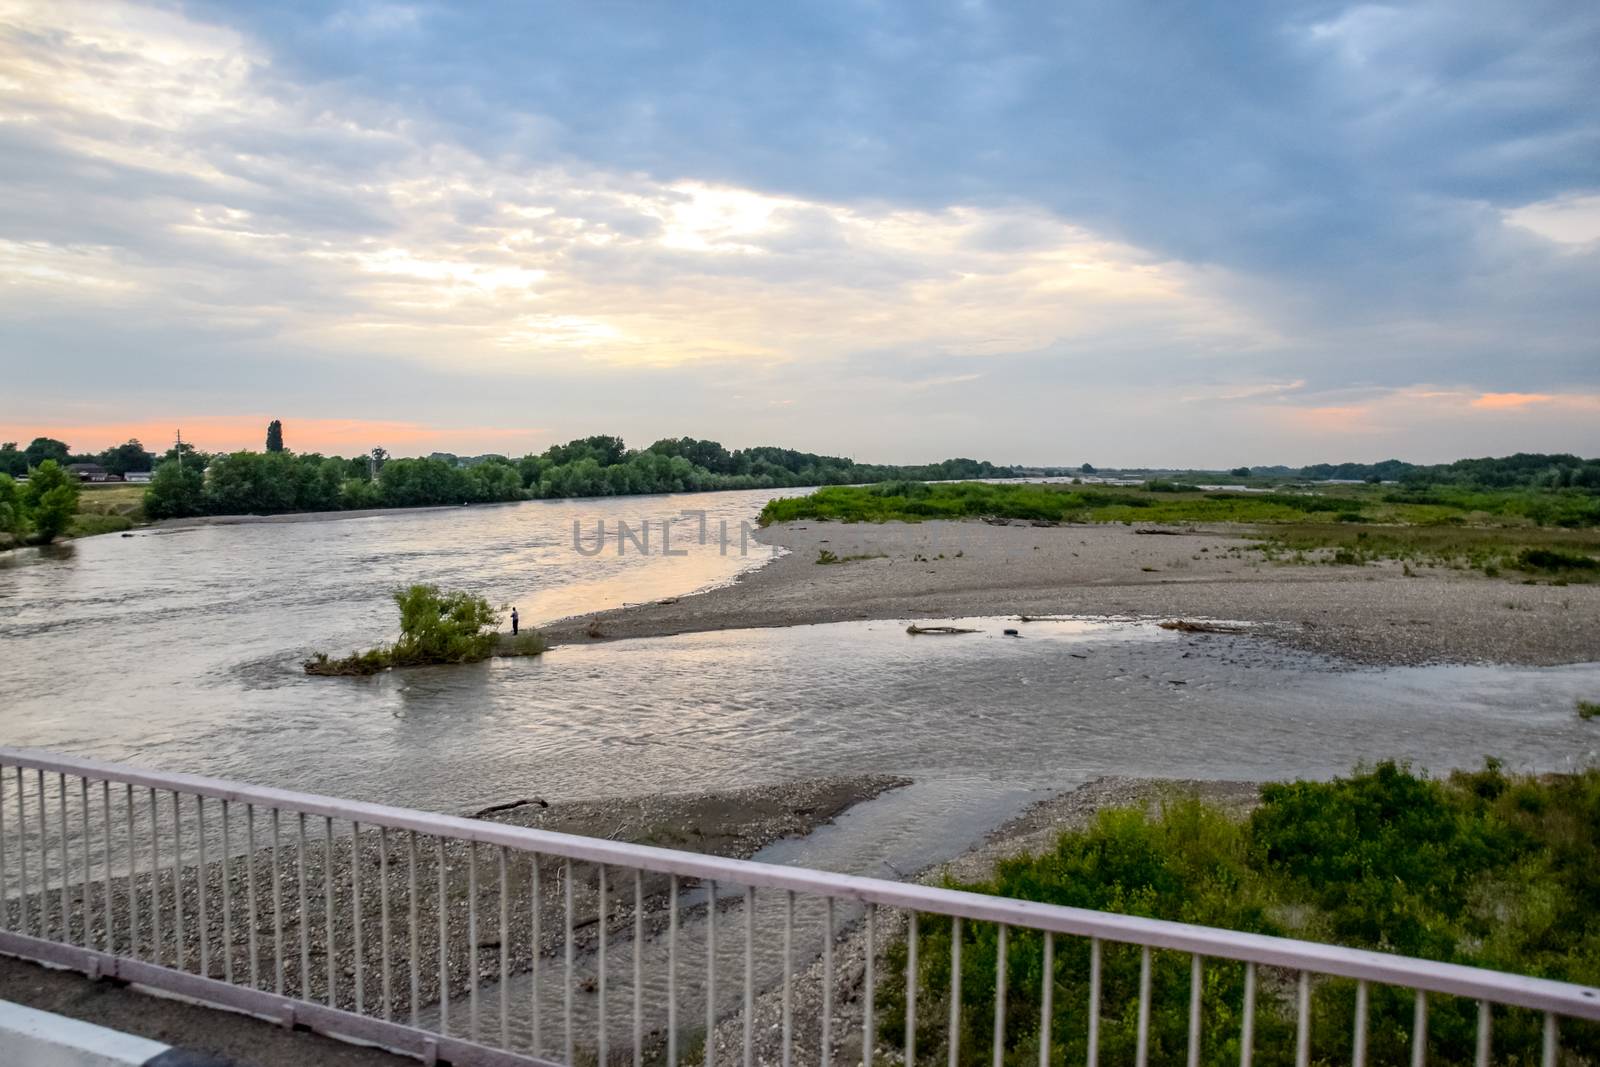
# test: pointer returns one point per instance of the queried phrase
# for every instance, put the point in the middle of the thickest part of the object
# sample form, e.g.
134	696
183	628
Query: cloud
445	214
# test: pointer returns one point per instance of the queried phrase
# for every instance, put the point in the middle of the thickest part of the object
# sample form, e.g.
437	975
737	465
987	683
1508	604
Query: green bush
435	628
1550	559
1484	869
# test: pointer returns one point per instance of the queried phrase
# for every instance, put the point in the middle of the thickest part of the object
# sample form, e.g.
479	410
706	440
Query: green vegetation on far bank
1484	868
1549	534
435	628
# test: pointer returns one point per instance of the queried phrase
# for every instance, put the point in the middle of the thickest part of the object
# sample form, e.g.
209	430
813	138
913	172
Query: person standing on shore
513	622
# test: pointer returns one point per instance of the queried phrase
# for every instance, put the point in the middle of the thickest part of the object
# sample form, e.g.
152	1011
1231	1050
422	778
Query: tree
12	519
177	491
13	460
1087	468
191	456
120	459
275	436
44	448
1240	472
438	627
51	500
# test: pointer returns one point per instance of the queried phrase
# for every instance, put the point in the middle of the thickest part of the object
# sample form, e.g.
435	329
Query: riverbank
1382	614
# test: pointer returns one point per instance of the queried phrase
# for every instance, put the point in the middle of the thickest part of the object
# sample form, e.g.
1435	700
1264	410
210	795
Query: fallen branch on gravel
1184	626
915	629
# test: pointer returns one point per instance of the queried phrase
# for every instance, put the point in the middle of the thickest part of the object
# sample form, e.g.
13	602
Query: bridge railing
483	942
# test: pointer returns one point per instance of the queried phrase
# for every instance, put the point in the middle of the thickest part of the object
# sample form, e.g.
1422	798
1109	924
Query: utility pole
179	450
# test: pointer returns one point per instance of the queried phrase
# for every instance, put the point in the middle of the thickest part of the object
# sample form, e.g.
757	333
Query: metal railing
482	942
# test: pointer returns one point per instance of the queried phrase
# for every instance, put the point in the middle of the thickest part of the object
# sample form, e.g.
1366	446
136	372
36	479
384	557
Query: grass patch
88	525
1173	503
1483	868
1588	709
1491	549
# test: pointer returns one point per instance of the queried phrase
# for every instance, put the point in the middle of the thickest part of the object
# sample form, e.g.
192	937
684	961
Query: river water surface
181	650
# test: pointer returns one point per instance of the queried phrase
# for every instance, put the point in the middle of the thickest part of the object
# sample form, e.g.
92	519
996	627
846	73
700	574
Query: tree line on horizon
191	482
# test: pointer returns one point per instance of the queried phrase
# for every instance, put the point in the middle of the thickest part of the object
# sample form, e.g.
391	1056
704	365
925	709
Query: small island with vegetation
435	628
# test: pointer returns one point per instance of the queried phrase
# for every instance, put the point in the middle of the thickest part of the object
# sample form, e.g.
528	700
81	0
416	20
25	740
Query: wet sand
1374	614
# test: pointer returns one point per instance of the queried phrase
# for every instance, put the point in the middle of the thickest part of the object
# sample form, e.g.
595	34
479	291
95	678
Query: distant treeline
1533	470
237	483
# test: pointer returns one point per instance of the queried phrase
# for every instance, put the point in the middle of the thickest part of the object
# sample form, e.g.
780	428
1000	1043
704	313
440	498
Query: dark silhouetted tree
274	436
44	448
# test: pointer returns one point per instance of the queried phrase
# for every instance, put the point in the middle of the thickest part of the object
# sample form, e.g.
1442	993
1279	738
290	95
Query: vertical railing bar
88	896
23	922
1094	1002
538	955
302	900
672	972
358	958
227	899
332	949
383	921
1358	1054
600	966
869	1024
1485	1029
250	892
66	859
711	975
911	989
1419	1031
954	1038
155	882
105	809
638	968
200	887
1247	1033
1047	997
5	906
472	940
1552	1040
415	936
1002	974
1302	1042
178	945
568	1037
1141	1055
505	954
44	864
827	984
788	977
749	974
444	946
1196	978
277	903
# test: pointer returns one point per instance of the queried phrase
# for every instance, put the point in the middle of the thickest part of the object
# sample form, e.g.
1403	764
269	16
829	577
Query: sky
1120	233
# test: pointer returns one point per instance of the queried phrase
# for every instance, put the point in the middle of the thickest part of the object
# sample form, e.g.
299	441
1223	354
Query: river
180	649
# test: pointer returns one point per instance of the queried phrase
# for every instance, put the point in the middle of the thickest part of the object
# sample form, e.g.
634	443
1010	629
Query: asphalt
239	1040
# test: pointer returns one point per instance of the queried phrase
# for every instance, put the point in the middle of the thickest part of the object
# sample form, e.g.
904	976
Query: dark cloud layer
1322	195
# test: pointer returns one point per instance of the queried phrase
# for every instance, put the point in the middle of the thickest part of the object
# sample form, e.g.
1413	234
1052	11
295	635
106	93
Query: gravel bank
1374	614
374	973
